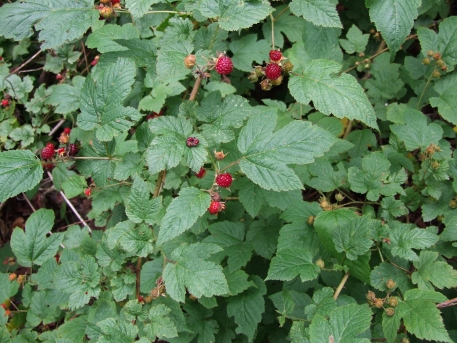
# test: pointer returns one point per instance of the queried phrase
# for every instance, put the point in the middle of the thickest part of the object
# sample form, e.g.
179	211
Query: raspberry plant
337	122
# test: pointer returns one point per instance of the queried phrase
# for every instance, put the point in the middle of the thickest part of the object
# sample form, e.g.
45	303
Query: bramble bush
258	171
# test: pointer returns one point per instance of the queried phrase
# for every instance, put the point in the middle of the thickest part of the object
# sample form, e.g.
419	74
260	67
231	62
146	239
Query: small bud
148	299
288	66
320	264
253	77
426	61
219	155
277	82
444	68
216	197
453	203
189	61
405	340
440	63
391	284
339	197
435	165
392	301
106	12
436	74
430	53
371	296
324	204
12	276
192	297
390	311
311	220
64	138
378	302
436	56
367	66
357	63
265	85
361	54
20	279
258	71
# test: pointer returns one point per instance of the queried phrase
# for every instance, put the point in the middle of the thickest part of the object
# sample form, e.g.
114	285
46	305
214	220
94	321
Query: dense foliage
258	171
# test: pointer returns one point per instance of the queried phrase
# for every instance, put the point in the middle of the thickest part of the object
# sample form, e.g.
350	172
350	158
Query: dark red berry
72	150
224	65
48	166
224	180
5	102
216	207
59	77
275	55
201	173
48	151
272	71
67	130
140	298
115	1
192	141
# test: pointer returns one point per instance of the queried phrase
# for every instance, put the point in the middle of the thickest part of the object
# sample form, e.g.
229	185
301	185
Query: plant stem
230	165
24	64
423	91
197	84
96	158
272	32
341	285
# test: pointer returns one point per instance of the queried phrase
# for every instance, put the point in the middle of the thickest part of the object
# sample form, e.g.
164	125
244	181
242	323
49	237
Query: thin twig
341	285
447	303
197	84
72	207
59	124
24	64
138	276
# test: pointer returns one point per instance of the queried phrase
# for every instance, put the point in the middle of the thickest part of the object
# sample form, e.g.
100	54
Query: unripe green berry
392	301
378	302
426	61
430	53
453	203
320	263
390	311
311	220
339	197
436	74
391	284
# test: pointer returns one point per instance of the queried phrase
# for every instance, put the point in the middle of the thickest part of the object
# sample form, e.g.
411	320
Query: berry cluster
68	149
434	58
272	73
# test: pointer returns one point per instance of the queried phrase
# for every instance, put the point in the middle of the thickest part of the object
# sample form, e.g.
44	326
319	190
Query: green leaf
374	178
263	235
116	330
320	42
325	177
247	308
248	50
265	154
170	60
33	247
354	239
139	8
150	271
385	271
137	239
39	311
430	271
123	285
233	16
80	279
183	212
222	115
104	38
394	19
190	269
416	133
7	288
169	147
288	263
446	102
160	324
70	19
74	186
66	98
355	41
287	24
101	100
230	237
20	171
345	324
24	134
237	281
341	95
422	318
405	237
386	82
319	12
139	206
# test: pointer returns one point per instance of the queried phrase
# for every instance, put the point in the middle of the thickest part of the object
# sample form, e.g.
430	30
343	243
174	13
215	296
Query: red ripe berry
72	150
59	77
115	1
88	191
5	102
275	55
192	141
224	65
201	173
224	180
48	151
67	130
272	71
216	207
140	298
